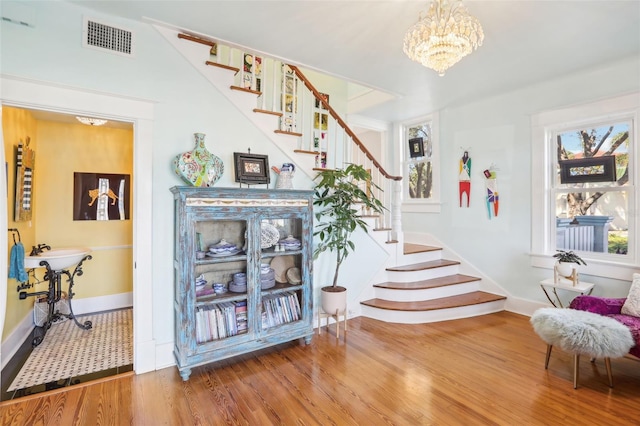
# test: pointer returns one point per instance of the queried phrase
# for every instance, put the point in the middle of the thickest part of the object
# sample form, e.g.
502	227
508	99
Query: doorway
21	93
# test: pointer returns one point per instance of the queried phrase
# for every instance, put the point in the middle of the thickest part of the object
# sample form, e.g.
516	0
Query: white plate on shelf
231	253
269	235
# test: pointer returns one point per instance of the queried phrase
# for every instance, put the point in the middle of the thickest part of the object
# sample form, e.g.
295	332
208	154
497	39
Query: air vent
98	35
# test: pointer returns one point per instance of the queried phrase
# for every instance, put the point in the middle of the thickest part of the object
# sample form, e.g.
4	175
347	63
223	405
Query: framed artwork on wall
101	196
416	147
592	169
251	169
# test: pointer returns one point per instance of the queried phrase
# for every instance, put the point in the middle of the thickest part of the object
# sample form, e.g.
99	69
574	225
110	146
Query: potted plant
565	258
337	193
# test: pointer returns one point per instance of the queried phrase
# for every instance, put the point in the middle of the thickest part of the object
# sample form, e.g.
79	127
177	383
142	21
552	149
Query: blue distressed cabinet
260	223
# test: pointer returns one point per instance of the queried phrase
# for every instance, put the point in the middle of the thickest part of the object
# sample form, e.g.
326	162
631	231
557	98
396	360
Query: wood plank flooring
486	370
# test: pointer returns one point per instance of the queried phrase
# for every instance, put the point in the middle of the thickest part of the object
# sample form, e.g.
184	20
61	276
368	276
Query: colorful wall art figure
464	177
492	191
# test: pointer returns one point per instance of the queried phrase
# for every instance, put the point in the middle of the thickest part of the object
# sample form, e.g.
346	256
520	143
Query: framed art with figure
251	169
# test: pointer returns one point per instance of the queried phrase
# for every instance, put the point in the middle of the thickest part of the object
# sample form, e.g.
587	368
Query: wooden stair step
244	89
392	242
410	248
284	132
424	265
266	111
382	229
431	283
226	67
304	151
467	299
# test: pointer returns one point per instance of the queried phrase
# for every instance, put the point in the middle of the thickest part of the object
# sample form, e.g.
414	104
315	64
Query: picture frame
251	169
593	169
416	147
101	196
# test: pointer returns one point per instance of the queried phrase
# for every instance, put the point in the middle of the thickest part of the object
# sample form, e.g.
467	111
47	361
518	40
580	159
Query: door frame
32	94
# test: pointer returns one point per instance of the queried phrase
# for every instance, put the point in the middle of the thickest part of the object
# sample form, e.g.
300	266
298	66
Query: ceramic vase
198	167
333	301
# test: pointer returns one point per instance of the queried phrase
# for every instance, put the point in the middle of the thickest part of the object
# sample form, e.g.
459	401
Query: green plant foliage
618	244
336	193
569	257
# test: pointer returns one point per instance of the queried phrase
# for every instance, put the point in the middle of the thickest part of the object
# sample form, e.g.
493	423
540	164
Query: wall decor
491	183
101	196
592	169
416	147
464	178
198	167
251	169
25	162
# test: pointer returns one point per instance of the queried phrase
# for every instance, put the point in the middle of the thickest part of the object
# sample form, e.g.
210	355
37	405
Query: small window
419	141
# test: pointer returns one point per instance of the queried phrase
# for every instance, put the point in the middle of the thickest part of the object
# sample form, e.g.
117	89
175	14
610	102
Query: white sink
58	258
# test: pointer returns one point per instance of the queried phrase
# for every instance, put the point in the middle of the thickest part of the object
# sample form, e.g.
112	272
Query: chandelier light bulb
444	36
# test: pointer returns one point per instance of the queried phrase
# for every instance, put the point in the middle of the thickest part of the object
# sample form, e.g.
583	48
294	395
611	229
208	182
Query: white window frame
418	205
543	126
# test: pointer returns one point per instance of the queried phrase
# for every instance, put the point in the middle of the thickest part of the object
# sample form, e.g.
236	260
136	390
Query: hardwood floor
477	371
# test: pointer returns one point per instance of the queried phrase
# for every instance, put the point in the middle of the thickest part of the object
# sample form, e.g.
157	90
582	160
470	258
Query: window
420	182
584	198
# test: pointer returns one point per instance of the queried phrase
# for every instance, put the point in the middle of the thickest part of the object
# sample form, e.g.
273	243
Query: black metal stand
54	294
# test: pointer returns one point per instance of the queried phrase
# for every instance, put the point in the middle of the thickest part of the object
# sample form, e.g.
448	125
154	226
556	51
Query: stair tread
467	299
431	283
424	265
410	248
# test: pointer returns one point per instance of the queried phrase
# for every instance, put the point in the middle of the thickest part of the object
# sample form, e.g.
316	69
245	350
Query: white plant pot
333	301
565	269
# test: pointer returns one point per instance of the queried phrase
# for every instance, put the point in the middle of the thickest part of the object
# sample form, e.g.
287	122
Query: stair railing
305	113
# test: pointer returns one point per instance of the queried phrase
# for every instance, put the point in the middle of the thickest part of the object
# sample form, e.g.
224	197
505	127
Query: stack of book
221	320
279	309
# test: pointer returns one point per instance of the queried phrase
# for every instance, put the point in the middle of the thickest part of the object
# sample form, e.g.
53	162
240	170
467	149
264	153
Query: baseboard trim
14	340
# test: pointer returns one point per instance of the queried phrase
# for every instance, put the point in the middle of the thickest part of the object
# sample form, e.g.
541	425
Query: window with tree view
419	145
592	191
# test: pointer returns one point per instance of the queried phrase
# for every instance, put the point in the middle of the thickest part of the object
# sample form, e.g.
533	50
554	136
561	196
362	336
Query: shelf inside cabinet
219	298
221	259
272	253
281	287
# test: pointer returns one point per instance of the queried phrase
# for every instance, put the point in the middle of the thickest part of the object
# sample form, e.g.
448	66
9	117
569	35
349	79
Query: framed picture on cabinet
251	168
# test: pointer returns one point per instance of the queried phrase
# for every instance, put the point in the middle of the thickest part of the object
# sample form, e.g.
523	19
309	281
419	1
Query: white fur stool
582	333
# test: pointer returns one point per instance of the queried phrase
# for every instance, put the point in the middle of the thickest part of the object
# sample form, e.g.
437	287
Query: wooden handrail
342	124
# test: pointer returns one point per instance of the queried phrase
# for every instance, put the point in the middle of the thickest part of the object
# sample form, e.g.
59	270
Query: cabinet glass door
220	280
283	269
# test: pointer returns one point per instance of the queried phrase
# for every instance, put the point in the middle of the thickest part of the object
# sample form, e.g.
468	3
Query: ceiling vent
98	35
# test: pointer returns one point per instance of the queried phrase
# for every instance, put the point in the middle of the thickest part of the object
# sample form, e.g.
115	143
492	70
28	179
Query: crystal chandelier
443	37
90	121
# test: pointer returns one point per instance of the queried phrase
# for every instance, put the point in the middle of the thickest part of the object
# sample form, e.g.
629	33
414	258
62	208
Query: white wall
50	51
498	130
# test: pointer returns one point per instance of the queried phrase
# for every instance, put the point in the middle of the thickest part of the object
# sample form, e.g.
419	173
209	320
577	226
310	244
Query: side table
549	285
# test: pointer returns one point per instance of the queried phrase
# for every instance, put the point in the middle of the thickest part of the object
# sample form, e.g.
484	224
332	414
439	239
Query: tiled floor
100	352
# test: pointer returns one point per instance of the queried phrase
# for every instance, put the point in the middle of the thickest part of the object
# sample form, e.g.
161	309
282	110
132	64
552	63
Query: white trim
25	93
542	125
433	204
14	340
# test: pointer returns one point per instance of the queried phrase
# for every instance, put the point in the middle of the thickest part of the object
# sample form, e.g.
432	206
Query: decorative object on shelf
199	167
269	235
220	288
281	265
290	243
335	194
444	36
285	176
416	147
293	276
564	268
223	248
251	169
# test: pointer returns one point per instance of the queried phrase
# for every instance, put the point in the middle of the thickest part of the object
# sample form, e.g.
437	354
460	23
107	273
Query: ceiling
526	42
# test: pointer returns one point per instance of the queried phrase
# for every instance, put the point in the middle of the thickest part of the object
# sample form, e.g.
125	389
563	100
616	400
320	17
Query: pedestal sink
58	258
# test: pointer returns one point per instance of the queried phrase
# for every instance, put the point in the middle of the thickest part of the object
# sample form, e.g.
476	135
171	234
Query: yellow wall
61	150
17	124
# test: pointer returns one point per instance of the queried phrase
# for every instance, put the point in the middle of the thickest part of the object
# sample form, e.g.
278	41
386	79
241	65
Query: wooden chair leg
546	361
576	370
607	363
